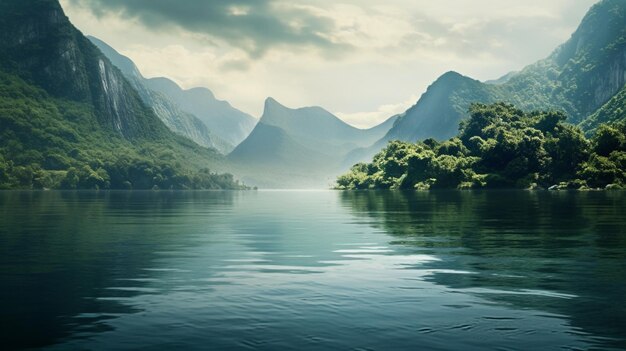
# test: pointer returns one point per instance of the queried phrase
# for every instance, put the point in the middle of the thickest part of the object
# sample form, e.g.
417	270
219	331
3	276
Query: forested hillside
500	146
69	119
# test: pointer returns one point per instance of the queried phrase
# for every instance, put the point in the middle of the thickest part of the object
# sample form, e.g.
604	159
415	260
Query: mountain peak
451	74
202	91
450	77
274	112
41	5
271	102
448	81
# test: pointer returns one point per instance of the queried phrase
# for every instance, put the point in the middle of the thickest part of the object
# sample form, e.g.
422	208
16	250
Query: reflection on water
313	270
562	253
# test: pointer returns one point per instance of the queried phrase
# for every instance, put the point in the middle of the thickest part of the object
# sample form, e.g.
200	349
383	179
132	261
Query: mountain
614	110
70	119
281	148
579	77
440	108
40	45
220	117
316	127
179	121
309	143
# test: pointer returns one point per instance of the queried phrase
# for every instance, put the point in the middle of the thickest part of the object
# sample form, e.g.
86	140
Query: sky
363	60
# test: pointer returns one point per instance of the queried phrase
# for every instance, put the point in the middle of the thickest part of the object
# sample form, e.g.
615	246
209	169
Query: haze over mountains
66	103
219	116
194	113
307	142
70	119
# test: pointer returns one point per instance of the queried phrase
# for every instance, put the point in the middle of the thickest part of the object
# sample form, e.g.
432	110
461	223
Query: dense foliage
48	142
69	119
500	146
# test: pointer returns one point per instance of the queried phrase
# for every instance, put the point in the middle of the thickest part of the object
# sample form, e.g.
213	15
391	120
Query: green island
500	146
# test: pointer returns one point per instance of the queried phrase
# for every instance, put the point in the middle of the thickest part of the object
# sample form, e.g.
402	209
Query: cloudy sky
363	60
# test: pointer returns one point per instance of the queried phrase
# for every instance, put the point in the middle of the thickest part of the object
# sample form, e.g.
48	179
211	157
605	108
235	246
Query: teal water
327	270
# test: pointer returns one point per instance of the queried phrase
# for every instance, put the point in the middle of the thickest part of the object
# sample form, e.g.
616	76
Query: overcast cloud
252	25
364	60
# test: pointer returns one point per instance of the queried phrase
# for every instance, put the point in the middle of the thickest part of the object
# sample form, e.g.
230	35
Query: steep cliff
222	119
38	43
177	120
70	119
592	63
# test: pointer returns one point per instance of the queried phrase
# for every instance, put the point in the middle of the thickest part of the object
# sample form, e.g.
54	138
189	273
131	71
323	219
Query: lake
313	270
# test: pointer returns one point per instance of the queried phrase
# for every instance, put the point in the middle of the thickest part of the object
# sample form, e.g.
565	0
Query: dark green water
313	270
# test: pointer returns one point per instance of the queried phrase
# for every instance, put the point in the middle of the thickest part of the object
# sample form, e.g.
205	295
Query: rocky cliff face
41	45
229	123
177	120
592	63
608	82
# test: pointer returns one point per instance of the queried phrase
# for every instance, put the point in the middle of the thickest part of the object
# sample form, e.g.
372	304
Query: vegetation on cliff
48	142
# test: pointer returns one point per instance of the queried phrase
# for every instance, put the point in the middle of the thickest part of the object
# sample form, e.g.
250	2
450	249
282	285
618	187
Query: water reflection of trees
61	252
572	244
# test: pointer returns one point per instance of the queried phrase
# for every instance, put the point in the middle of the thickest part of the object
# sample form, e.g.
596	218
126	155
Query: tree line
500	146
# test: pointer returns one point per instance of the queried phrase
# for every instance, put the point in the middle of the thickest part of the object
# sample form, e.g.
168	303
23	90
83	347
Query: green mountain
613	111
309	143
69	118
40	45
177	120
579	77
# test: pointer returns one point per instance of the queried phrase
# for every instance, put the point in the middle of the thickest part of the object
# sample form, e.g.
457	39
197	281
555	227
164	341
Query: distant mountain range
308	143
195	113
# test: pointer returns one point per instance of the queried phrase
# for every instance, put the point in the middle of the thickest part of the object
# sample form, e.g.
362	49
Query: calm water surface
325	270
